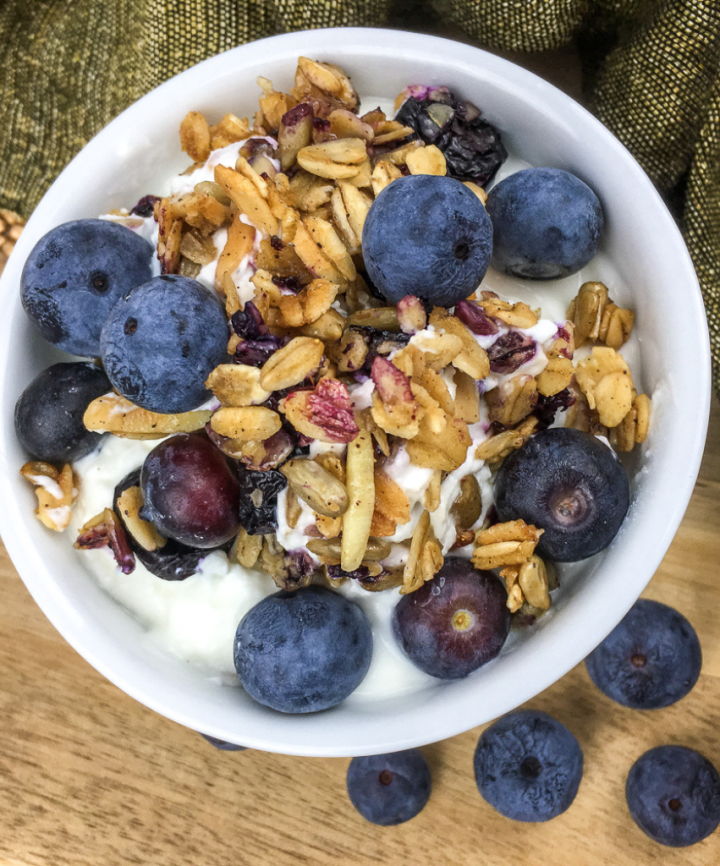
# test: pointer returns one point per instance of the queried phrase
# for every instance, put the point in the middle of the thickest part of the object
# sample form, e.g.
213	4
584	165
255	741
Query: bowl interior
140	148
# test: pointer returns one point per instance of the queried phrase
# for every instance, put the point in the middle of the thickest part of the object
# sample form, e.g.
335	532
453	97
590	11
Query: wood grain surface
88	776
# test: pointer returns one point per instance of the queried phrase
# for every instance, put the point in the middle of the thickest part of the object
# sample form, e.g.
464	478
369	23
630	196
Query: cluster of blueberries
528	765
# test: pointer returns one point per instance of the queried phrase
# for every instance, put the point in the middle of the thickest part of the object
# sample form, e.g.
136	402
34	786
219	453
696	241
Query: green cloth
651	73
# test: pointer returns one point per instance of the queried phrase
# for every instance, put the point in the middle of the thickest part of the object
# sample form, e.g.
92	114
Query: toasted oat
245	195
586	311
427	160
247	423
634	426
472	358
381	318
446	450
498	447
559	371
315	259
246	549
383	175
616	326
293	509
328	327
228	131
438	350
431	497
365	421
512	401
606	382
478	190
425	558
195	136
517	315
328	242
467	397
237	385
510	543
336	160
322	491
292	364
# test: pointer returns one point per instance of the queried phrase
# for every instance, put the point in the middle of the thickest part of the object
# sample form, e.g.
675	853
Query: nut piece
55	492
325	414
246	423
533	580
130	502
361	493
237	385
195	136
315	485
605	380
292	364
586	311
112	413
411	314
105	529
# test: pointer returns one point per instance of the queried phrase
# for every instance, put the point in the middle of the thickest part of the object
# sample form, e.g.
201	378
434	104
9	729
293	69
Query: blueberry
75	275
303	651
528	766
427	236
49	413
569	484
650	660
161	341
389	789
673	794
223	745
546	222
454	623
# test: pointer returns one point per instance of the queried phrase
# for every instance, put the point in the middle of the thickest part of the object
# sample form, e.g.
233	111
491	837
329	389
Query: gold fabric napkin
651	72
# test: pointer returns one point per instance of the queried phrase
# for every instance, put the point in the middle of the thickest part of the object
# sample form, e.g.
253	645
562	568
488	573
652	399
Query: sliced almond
292	364
129	503
334	159
361	494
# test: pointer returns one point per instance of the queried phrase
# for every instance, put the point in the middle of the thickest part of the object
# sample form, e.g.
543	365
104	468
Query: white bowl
544	127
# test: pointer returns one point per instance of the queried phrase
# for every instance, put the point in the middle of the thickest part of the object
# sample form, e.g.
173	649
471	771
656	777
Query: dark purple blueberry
528	766
475	318
427	236
49	412
510	351
569	484
304	651
673	794
145	207
189	492
223	745
547	224
454	623
547	408
162	340
173	561
290	284
248	323
651	659
258	499
473	147
336	572
255	353
389	789
75	275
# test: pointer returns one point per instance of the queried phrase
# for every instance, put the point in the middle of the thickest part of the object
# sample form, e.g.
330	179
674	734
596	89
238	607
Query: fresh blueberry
427	236
650	660
528	766
49	413
569	484
76	274
223	745
161	341
189	491
673	794
546	223
303	651
389	789
454	623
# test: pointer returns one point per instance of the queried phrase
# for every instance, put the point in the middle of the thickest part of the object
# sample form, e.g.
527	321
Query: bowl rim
87	640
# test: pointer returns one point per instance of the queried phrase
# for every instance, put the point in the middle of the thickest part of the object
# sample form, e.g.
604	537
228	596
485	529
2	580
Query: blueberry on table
303	651
75	275
546	222
189	491
389	789
673	794
651	659
172	561
454	623
528	766
569	484
161	341
49	412
427	236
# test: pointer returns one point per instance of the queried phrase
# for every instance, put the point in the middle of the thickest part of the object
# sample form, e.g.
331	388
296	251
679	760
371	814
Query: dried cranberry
145	207
475	319
255	353
290	284
510	351
336	572
547	407
276	243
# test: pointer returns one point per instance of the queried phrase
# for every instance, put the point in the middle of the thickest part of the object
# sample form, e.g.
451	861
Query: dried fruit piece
510	351
325	414
237	385
246	423
322	491
292	364
114	414
129	503
361	493
105	529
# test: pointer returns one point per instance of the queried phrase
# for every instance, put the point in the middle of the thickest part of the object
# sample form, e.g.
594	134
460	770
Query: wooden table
89	776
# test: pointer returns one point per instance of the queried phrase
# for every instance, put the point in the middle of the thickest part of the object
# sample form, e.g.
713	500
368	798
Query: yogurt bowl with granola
377	423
